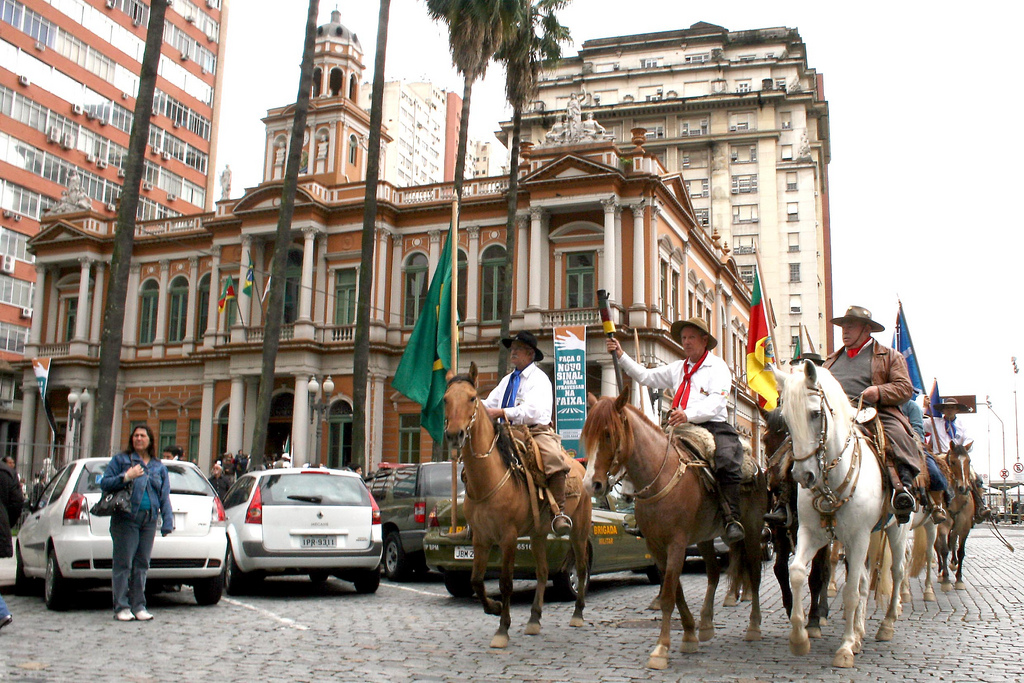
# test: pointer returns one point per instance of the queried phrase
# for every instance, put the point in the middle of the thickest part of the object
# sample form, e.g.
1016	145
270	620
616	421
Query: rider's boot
779	516
902	500
938	514
733	529
981	511
561	524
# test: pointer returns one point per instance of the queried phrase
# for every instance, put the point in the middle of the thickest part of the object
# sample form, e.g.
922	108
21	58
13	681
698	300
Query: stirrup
566	529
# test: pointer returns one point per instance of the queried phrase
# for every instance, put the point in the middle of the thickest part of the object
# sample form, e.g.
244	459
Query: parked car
313	520
69	548
405	494
612	549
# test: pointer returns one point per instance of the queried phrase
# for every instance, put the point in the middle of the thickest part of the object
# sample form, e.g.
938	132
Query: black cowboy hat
859	314
700	324
950	402
813	357
529	340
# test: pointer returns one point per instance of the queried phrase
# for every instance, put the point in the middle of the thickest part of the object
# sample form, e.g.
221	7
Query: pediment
268	198
64	231
569	166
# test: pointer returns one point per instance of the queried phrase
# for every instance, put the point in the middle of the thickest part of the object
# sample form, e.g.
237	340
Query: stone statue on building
572	129
225	183
804	153
573	119
72	199
592	130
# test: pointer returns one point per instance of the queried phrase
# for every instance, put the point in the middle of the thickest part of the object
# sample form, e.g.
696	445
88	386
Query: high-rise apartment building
743	118
69	75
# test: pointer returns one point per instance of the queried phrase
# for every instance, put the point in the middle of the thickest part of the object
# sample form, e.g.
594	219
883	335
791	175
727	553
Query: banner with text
570	386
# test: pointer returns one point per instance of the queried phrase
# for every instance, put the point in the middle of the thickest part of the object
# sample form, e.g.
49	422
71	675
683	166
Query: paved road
416	632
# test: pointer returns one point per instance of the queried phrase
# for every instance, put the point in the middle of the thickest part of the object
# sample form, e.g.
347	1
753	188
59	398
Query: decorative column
211	315
685	277
559	300
608	258
533	300
193	297
38	302
320	314
259	282
96	325
26	450
244	301
206	427
620	257
608	384
727	333
82	318
252	386
306	290
88	414
161	310
473	277
381	276
329	305
434	253
394	335
638	310
300	417
653	256
521	274
236	413
131	317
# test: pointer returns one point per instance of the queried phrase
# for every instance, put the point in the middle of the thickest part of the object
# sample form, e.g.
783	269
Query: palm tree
282	240
124	235
361	350
535	37
475	31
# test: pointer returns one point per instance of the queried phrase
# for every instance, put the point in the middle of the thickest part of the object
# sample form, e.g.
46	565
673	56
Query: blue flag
901	342
934	400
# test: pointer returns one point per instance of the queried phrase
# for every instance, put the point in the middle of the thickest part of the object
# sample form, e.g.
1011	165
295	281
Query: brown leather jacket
888	373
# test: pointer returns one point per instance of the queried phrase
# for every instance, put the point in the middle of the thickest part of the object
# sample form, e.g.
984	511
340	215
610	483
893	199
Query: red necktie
683	392
850	353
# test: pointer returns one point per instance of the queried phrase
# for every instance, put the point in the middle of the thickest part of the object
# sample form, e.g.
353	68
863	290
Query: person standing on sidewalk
133	533
11	500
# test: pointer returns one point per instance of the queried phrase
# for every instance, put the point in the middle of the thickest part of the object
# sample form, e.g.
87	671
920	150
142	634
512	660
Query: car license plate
463	552
319	541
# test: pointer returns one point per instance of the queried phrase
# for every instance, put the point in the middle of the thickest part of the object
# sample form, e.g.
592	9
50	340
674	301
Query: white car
63	544
313	520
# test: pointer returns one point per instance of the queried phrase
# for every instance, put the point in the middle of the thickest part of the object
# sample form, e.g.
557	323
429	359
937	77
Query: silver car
63	544
312	520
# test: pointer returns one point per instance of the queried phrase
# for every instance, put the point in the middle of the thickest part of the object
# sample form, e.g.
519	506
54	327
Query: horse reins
461	457
681	465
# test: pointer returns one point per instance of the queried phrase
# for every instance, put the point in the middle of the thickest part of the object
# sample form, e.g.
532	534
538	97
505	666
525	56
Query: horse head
607	440
819	417
960	466
460	407
773	437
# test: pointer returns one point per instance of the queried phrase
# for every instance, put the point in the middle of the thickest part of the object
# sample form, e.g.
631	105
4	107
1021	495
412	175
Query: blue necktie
509	400
951	430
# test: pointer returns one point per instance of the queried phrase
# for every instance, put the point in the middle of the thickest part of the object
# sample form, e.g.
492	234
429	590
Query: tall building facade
743	118
591	216
69	75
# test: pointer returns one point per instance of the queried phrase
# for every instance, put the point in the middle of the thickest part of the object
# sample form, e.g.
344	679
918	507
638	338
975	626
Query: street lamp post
76	403
319	404
1002	427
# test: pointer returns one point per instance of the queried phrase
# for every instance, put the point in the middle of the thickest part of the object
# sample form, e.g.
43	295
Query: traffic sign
1018	467
1004	473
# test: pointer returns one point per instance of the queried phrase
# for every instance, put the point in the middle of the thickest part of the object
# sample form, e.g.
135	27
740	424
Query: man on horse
942	434
525	397
701	383
874	375
938	487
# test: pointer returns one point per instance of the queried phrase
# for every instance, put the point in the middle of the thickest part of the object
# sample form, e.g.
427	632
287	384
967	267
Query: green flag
798	351
428	355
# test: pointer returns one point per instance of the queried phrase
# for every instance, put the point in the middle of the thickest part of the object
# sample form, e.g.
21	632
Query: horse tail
880	562
920	556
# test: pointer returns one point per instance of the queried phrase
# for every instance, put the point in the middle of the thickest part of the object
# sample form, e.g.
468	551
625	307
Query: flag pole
455	346
810	342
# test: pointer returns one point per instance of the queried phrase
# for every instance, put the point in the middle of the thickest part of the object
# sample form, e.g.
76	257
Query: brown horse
498	507
673	510
952	534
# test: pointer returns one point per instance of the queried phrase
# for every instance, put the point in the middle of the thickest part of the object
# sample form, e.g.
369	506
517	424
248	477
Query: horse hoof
843	660
905	596
730	601
929	596
946	587
576	622
655	603
800	648
832	592
706	634
823	621
659	663
688	647
813	632
533	629
752	635
885	633
499	641
961	586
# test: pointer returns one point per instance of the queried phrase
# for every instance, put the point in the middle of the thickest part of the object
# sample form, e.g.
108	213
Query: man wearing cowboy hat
701	384
876	375
940	434
525	397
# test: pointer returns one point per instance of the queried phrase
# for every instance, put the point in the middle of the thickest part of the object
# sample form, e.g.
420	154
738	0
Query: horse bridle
825	501
459	457
642	495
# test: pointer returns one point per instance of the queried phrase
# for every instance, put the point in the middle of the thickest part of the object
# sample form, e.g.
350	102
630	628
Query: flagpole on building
810	343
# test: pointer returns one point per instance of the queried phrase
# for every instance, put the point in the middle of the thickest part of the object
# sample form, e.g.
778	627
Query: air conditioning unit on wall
26	313
7	265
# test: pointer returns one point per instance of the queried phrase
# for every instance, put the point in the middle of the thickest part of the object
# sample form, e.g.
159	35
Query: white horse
840	489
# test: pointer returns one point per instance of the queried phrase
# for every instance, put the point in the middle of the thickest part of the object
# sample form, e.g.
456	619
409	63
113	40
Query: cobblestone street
290	631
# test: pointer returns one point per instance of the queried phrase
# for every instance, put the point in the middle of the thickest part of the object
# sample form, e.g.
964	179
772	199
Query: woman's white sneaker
125	615
143	615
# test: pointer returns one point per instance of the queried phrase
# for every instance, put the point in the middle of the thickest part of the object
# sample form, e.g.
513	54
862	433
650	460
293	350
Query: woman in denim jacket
133	534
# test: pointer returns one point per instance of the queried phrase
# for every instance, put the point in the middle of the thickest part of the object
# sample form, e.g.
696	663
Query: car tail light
218	516
419	511
375	515
77	510
432	519
254	513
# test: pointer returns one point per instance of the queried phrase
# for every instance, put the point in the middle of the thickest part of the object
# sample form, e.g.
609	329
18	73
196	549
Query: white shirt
709	386
533	400
941	438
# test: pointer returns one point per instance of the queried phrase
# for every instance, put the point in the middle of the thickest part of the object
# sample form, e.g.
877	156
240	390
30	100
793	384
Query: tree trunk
361	350
460	160
282	241
124	237
511	230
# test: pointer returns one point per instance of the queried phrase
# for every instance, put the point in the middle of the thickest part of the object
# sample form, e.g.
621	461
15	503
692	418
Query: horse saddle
532	461
701	443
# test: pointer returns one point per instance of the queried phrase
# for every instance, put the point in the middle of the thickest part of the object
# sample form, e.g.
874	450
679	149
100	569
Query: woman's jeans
133	543
3	608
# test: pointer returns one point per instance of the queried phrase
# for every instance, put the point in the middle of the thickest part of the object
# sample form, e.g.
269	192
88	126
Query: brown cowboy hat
528	339
700	324
952	403
859	314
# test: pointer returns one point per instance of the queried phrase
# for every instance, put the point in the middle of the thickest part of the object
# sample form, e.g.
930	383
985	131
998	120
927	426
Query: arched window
415	287
318	78
149	299
337	82
203	305
492	283
345	294
339	435
353	148
177	309
70	305
292	285
353	84
463	283
222	431
579	275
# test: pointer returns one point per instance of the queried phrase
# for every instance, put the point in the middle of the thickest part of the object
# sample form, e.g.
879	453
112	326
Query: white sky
920	107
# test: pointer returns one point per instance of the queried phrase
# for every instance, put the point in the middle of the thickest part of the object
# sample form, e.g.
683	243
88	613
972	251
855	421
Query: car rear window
313	489
183	478
437	480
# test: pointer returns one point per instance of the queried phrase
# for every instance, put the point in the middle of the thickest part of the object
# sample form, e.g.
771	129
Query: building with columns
743	117
591	216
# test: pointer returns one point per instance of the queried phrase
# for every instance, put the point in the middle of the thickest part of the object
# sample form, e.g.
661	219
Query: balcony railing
337	333
52	350
570	316
256	334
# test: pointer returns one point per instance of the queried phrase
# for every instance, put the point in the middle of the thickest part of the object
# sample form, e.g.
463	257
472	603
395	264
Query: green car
612	549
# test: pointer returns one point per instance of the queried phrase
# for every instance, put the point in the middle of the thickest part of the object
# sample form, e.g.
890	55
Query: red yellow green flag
760	353
226	295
